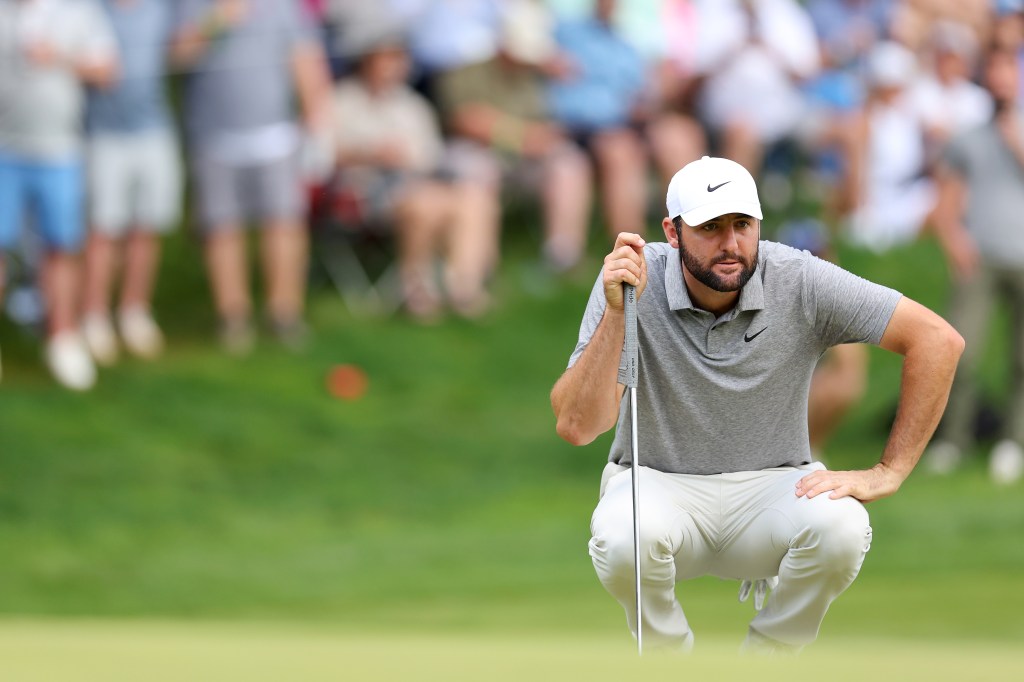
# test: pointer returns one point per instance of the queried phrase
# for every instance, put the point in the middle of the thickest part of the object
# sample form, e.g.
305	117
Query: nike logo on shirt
748	339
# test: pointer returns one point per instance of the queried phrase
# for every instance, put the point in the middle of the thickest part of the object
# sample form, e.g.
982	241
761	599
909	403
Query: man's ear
672	235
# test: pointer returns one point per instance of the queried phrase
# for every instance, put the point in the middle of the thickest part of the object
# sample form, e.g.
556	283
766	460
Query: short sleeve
591	319
845	308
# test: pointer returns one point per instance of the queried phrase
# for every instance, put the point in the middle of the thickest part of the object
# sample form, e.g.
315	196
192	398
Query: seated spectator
445	36
389	152
134	183
496	113
50	50
887	195
598	102
247	58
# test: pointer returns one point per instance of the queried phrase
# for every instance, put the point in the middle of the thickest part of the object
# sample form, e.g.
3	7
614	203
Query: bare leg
424	214
743	147
101	256
675	140
61	286
228	272
837	385
567	196
473	246
284	246
142	258
100	264
622	169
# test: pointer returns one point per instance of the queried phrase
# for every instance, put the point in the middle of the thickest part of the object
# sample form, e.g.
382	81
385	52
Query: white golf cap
710	187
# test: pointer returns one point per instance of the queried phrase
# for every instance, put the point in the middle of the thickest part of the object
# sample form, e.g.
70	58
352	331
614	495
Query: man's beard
709	278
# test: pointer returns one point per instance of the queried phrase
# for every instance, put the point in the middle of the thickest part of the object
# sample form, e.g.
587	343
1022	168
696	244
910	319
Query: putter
632	352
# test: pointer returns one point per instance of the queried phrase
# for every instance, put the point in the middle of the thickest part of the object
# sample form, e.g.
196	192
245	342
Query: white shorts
135	181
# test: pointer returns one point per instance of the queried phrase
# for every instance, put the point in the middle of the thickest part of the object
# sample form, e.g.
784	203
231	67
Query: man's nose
729	241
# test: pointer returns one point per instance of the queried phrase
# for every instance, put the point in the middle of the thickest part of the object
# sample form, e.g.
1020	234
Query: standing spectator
754	51
49	50
981	194
887	197
248	58
496	113
389	153
134	183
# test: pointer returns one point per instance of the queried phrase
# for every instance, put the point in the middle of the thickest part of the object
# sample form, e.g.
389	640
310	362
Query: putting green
157	651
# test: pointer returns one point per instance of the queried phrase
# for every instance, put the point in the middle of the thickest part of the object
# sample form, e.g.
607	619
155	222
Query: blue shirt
137	100
610	78
447	34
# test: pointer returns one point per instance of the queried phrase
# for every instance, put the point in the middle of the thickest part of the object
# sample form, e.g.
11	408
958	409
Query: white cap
710	187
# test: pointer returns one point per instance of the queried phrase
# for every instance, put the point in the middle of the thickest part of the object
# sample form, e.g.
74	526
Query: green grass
40	651
202	498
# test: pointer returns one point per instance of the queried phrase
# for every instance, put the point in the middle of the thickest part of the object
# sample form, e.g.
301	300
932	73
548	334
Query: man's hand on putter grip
864	485
624	265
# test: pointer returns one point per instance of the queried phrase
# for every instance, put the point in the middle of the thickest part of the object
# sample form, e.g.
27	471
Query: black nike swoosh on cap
712	189
748	339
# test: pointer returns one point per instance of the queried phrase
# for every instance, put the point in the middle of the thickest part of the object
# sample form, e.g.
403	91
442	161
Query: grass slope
203	487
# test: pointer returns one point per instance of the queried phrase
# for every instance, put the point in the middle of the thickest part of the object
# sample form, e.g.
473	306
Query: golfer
730	329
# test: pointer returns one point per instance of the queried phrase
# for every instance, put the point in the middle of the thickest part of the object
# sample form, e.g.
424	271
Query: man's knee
840	535
613	549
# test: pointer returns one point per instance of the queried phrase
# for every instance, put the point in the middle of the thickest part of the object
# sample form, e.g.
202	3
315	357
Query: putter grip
632	344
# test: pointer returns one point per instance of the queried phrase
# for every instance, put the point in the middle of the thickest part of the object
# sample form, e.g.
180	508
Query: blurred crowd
876	120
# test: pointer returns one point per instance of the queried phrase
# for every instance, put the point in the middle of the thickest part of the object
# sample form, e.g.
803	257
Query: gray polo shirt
727	394
244	80
994	179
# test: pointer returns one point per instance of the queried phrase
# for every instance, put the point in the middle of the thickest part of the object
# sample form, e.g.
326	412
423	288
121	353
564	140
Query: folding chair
356	252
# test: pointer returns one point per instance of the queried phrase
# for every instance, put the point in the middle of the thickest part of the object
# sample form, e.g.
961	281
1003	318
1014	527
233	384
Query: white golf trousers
745	525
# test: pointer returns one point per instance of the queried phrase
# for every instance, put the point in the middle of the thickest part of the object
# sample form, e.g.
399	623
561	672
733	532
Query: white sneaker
69	361
1006	463
99	337
942	457
140	333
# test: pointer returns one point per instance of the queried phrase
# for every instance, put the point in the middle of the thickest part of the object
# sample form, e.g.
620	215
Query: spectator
134	183
627	95
598	102
389	152
946	99
247	58
754	55
49	50
981	193
887	197
495	111
449	35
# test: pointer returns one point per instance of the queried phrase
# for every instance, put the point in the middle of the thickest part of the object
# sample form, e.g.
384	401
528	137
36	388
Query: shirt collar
751	296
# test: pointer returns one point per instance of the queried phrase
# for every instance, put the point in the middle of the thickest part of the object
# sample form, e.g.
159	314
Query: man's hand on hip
864	485
624	265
